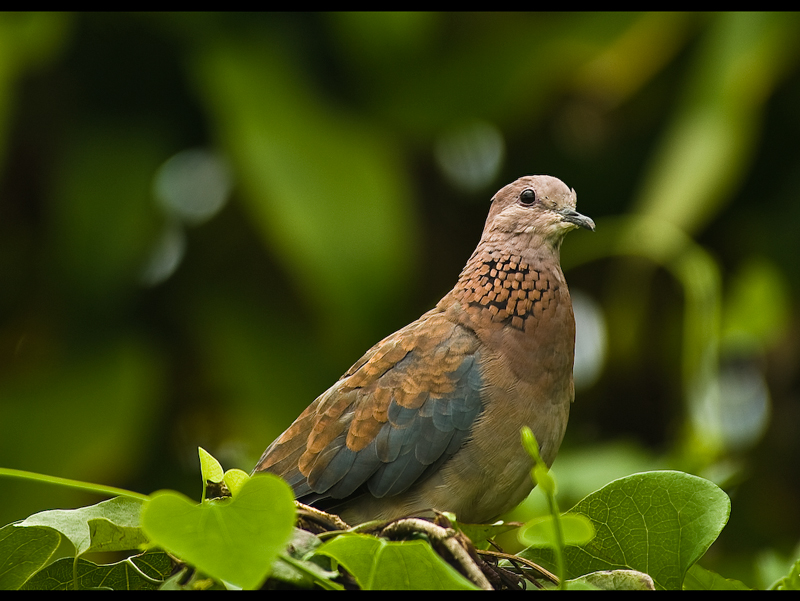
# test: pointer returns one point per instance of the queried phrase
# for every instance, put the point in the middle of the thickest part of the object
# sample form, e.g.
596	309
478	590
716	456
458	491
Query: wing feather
399	413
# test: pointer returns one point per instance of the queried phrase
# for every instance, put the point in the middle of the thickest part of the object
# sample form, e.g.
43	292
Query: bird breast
519	305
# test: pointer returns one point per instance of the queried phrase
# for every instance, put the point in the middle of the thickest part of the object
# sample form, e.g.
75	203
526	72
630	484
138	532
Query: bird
429	419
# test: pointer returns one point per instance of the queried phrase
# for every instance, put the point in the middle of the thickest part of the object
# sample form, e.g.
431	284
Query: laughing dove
430	417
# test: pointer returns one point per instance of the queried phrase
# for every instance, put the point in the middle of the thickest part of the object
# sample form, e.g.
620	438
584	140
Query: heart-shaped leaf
378	564
658	522
235	539
111	525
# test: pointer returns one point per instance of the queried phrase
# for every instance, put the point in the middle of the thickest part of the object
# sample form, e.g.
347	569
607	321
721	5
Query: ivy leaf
235	539
111	525
658	522
23	551
141	572
377	564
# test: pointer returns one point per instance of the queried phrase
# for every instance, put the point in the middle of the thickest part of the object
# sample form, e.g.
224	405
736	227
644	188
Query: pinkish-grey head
535	204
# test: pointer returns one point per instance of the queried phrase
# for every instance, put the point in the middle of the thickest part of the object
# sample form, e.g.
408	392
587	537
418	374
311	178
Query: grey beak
574	217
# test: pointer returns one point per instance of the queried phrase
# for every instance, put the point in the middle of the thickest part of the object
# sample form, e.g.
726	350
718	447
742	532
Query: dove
429	418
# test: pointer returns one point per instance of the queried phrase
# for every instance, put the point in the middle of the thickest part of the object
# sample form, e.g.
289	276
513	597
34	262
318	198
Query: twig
534	566
326	520
444	536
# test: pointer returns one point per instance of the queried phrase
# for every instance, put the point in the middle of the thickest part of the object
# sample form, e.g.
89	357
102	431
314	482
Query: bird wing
399	413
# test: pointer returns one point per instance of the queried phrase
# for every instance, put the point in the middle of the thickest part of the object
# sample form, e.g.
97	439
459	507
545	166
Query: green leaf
235	539
378	564
111	525
790	582
700	579
23	551
577	528
141	572
235	479
540	473
613	580
659	523
210	468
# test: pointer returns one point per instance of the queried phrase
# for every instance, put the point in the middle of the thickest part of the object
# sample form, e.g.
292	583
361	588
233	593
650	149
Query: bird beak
573	216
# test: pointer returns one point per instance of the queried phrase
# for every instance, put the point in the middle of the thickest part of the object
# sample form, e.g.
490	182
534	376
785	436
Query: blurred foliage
206	218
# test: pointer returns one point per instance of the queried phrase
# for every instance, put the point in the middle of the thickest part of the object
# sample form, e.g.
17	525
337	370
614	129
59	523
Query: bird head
538	206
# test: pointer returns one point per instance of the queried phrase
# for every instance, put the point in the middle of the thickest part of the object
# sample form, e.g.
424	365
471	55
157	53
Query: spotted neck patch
503	288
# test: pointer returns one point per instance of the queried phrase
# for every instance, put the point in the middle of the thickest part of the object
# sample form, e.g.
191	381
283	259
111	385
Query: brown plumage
429	418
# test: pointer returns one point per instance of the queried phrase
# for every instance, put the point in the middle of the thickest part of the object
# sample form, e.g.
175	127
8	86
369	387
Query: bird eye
528	197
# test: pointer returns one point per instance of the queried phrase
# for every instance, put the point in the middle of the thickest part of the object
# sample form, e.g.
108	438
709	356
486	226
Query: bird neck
503	286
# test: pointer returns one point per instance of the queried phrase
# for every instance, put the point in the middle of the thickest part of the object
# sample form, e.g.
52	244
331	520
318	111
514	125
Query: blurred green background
205	219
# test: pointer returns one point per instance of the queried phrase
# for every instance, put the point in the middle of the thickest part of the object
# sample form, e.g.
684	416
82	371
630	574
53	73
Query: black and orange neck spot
506	287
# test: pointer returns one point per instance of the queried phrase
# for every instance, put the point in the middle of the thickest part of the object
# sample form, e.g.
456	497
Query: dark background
205	219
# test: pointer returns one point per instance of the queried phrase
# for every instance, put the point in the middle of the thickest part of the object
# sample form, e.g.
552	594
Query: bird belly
490	475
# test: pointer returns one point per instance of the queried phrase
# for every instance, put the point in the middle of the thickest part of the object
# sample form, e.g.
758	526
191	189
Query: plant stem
559	548
111	491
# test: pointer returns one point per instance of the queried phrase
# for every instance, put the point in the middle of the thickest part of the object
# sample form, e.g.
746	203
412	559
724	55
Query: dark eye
528	197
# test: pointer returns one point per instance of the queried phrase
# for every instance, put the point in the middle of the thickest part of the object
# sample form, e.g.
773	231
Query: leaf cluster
643	531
